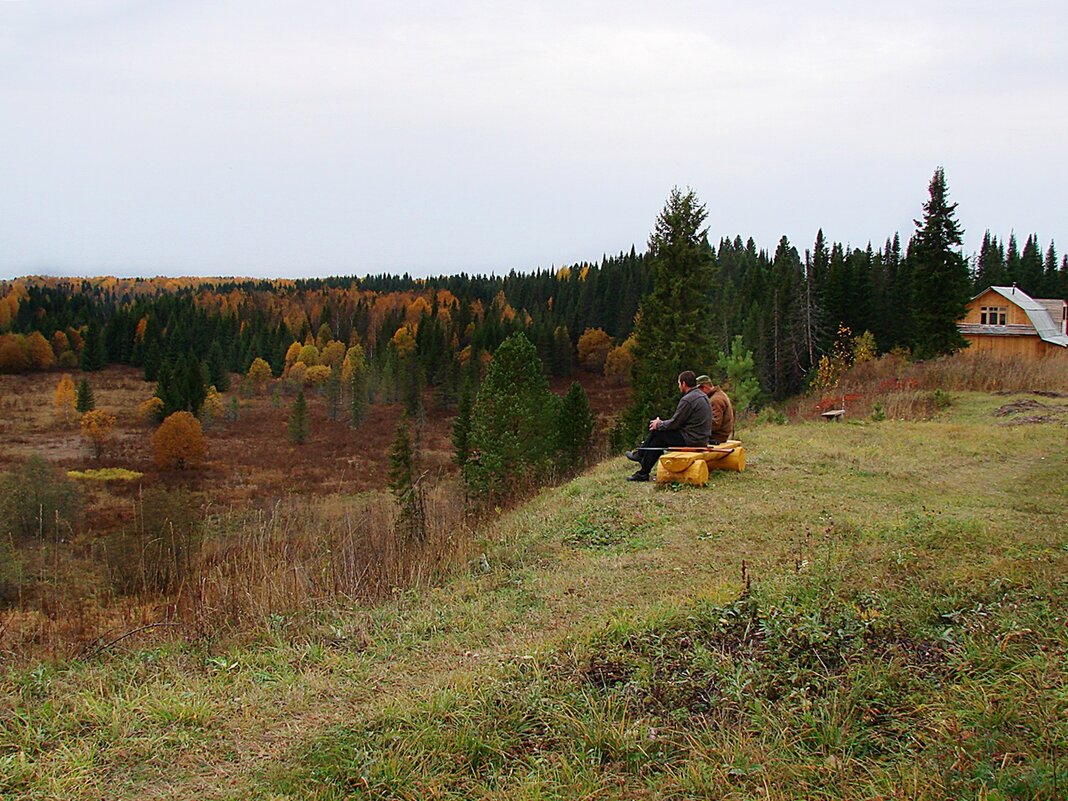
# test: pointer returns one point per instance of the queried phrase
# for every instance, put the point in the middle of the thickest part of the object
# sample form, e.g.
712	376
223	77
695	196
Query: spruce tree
939	275
672	332
513	421
299	420
574	429
1030	279
83	398
94	350
218	367
403	483
740	378
461	425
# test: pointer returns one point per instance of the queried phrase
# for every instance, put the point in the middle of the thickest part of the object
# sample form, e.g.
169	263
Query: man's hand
654	424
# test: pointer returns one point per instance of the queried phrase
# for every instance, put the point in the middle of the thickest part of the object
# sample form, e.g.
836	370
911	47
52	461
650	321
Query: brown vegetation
262	527
915	390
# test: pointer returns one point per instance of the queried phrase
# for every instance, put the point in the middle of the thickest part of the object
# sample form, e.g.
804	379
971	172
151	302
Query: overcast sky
232	137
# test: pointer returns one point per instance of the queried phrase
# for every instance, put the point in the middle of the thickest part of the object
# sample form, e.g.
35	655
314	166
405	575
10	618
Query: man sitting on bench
722	410
690	426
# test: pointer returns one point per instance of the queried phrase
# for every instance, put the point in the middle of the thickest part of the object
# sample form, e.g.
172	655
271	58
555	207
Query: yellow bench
691	466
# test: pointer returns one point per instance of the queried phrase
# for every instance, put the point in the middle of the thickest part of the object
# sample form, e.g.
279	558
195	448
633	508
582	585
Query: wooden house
1006	321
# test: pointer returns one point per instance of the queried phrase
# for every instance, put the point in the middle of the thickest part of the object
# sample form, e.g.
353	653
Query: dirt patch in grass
1028	410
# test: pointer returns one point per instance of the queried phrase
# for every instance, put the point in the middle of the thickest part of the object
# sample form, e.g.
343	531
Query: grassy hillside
871	610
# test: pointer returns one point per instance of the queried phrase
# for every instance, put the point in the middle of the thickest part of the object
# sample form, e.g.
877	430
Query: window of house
992	315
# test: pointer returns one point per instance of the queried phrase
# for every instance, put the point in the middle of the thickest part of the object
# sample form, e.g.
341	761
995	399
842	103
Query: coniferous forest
787	304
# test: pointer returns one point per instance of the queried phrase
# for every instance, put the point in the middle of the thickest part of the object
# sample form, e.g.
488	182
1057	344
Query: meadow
875	608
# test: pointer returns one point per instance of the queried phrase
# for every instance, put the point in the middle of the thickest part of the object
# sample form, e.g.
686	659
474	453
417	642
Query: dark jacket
692	418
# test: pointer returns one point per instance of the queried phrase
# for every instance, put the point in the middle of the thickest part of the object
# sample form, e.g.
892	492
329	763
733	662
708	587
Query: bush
151	410
179	442
34	497
771	416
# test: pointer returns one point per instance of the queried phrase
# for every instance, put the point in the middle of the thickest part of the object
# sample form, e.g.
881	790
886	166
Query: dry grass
272	526
907	390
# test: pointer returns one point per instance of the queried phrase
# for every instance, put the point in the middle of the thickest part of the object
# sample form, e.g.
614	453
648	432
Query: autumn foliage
97	429
593	348
63	401
178	443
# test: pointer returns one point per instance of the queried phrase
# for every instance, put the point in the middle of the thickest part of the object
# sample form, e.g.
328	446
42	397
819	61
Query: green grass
903	636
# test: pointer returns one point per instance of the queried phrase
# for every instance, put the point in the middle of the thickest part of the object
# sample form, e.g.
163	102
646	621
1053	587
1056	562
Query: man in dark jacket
690	426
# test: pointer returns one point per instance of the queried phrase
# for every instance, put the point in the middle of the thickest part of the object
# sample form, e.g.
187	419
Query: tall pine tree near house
1049	273
1013	265
1030	280
940	281
672	333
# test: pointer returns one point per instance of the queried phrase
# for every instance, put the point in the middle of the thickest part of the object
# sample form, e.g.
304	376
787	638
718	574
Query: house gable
1008	320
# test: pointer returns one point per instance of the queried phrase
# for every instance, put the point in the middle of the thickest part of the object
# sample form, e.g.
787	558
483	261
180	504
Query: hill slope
903	635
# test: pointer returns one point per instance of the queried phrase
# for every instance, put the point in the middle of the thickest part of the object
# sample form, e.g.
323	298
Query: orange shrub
179	442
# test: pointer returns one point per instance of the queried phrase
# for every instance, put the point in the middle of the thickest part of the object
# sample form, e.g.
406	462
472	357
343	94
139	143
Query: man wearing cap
722	410
690	426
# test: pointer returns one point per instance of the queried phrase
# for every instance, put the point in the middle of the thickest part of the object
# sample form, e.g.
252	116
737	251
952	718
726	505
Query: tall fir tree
403	483
218	367
939	274
83	397
512	422
299	420
94	349
672	333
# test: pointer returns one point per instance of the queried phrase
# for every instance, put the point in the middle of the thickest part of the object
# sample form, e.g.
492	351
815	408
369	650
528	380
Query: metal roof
1045	326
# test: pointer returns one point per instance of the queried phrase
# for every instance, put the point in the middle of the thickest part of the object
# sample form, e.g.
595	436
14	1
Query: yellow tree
333	354
98	427
41	353
292	354
259	373
593	348
620	362
317	375
63	401
179	442
404	340
213	408
309	354
151	410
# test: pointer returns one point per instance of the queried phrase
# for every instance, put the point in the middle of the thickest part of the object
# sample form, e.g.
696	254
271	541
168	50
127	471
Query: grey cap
703	379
